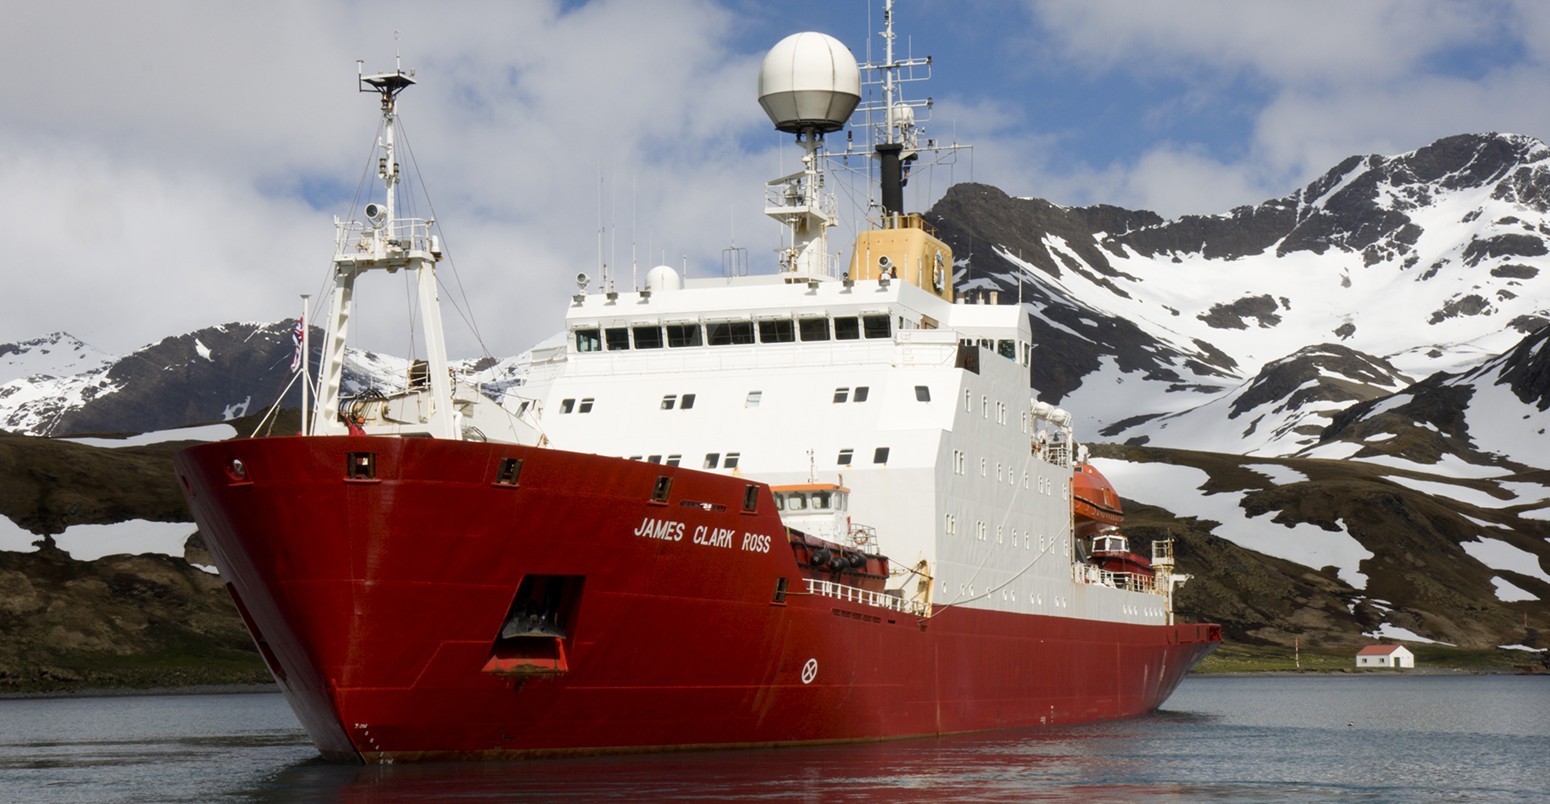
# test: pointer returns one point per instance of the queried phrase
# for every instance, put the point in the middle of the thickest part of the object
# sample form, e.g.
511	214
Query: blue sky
173	165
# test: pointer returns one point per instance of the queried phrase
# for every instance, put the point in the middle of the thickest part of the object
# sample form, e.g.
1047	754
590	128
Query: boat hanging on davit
814	505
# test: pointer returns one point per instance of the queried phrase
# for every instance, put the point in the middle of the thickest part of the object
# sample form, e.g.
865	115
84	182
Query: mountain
216	374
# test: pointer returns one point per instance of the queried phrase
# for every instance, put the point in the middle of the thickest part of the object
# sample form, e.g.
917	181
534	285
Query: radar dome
809	80
662	279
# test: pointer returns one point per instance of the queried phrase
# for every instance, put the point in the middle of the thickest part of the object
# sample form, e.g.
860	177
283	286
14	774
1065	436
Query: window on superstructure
984	470
633	458
1000	536
724	333
1007	348
922	393
959	462
950	525
847	328
968	401
876	326
1027	353
653	459
674	460
683	335
522	408
880	455
567	405
979	530
841	395
778	330
687	402
813	329
616	338
586	406
589	340
647	337
861	393
712	460
669	401
844	458
753	399
731	460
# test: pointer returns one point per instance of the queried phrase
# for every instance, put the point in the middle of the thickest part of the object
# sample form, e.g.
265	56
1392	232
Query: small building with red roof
1396	656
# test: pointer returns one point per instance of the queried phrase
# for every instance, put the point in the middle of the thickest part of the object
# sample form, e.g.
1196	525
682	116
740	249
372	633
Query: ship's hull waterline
378	576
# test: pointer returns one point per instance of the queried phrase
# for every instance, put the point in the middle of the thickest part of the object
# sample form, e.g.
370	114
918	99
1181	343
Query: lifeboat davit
1094	501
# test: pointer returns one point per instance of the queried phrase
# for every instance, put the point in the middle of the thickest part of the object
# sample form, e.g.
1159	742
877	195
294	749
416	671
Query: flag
296	335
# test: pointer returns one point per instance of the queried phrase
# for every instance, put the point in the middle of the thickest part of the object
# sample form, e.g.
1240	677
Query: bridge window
687	402
586	406
813	329
712	460
616	338
588	340
683	335
841	395
847	328
844	459
1007	348
567	405
922	393
880	455
723	333
731	461
780	330
861	393
647	337
876	326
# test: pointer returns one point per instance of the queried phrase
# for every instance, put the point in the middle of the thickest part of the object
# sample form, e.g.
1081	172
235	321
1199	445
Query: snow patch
137	536
1499	555
1506	592
16	539
208	432
1177	489
1390	631
1278	474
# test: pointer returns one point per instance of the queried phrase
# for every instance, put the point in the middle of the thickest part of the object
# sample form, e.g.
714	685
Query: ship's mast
896	138
386	242
808	85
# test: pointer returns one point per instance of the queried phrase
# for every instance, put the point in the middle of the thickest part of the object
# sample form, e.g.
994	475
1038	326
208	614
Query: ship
815	505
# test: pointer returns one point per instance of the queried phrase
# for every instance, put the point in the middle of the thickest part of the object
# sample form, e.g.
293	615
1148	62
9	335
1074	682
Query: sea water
1368	737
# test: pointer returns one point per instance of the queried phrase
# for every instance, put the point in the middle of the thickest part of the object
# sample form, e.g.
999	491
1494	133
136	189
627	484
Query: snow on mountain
1197	332
215	374
1493	415
57	354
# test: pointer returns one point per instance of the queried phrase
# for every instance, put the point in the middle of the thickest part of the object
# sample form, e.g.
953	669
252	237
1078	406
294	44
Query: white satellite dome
662	279
809	80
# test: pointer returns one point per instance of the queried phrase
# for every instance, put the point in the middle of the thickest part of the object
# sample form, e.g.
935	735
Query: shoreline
122	692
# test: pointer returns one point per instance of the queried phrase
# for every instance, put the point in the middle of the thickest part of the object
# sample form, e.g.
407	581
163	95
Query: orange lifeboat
1094	501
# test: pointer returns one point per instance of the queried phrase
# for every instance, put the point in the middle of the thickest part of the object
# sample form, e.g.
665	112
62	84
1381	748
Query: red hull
379	603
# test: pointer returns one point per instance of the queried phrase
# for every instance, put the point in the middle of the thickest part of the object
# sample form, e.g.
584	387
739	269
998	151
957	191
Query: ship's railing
1130	582
404	234
866	597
